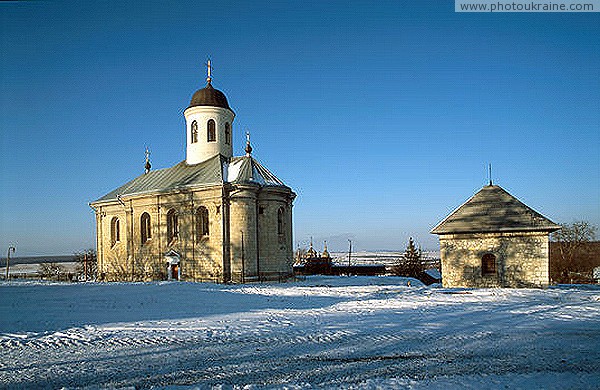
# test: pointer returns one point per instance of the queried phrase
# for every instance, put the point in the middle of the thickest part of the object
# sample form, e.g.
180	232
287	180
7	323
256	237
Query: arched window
227	133
194	132
280	221
172	228
202	226
115	233
211	132
488	264
145	228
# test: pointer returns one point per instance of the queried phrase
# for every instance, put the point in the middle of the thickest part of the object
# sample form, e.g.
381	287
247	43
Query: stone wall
275	248
247	210
521	259
243	233
130	259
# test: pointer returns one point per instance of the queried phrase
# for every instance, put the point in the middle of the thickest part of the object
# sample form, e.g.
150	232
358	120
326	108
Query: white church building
211	217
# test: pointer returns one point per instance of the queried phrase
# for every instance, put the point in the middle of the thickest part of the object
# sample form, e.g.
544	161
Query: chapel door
175	271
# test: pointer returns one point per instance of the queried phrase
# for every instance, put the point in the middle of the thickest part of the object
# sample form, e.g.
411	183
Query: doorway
173	268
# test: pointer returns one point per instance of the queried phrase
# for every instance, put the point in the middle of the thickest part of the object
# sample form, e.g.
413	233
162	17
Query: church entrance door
173	268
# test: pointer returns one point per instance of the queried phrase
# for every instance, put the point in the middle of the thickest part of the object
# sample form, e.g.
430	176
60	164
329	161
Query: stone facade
216	257
521	259
212	217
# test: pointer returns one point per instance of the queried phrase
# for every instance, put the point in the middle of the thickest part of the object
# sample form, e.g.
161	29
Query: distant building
313	263
212	217
494	240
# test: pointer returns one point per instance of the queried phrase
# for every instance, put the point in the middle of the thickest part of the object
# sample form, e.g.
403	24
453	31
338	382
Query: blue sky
382	117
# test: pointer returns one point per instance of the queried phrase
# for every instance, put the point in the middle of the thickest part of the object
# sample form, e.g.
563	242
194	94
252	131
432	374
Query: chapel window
211	131
115	234
145	227
488	264
227	133
202	226
194	132
172	225
280	221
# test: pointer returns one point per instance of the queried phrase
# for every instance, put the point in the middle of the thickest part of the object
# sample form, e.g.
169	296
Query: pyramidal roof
214	171
492	209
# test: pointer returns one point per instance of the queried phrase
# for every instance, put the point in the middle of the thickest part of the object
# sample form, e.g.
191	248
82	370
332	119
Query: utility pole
10	248
349	255
85	273
243	267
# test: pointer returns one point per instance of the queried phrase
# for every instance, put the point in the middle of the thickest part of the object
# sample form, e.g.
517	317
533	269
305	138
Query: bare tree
570	243
51	271
87	267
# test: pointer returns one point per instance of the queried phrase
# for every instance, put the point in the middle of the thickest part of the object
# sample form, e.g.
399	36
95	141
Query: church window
145	227
202	227
114	231
194	130
172	225
488	264
280	221
211	132
227	133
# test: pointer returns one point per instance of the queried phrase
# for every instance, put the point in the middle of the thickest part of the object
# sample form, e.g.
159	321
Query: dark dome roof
208	96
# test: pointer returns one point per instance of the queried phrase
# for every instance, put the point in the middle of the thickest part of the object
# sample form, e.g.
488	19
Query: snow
324	332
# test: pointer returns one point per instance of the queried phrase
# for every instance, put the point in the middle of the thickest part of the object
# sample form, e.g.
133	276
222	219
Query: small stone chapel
494	240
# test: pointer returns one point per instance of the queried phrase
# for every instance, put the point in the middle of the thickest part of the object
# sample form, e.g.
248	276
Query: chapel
494	240
212	217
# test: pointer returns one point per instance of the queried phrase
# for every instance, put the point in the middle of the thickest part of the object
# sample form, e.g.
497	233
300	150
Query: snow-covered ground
325	332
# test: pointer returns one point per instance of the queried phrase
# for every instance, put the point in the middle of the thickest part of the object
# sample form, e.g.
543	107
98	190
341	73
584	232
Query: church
213	217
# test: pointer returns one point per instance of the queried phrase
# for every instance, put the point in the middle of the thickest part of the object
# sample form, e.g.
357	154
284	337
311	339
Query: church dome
208	96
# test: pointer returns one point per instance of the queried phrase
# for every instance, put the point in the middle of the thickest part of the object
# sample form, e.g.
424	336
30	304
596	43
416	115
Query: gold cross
209	67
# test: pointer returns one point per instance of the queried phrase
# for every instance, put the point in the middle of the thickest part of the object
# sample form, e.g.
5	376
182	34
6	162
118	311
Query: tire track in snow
403	335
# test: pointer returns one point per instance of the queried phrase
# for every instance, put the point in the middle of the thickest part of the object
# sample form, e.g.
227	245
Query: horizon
382	118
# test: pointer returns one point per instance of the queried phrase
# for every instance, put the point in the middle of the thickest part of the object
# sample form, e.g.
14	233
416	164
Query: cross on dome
248	146
148	165
209	71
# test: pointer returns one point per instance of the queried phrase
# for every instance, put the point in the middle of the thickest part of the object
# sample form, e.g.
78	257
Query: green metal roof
217	170
492	209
